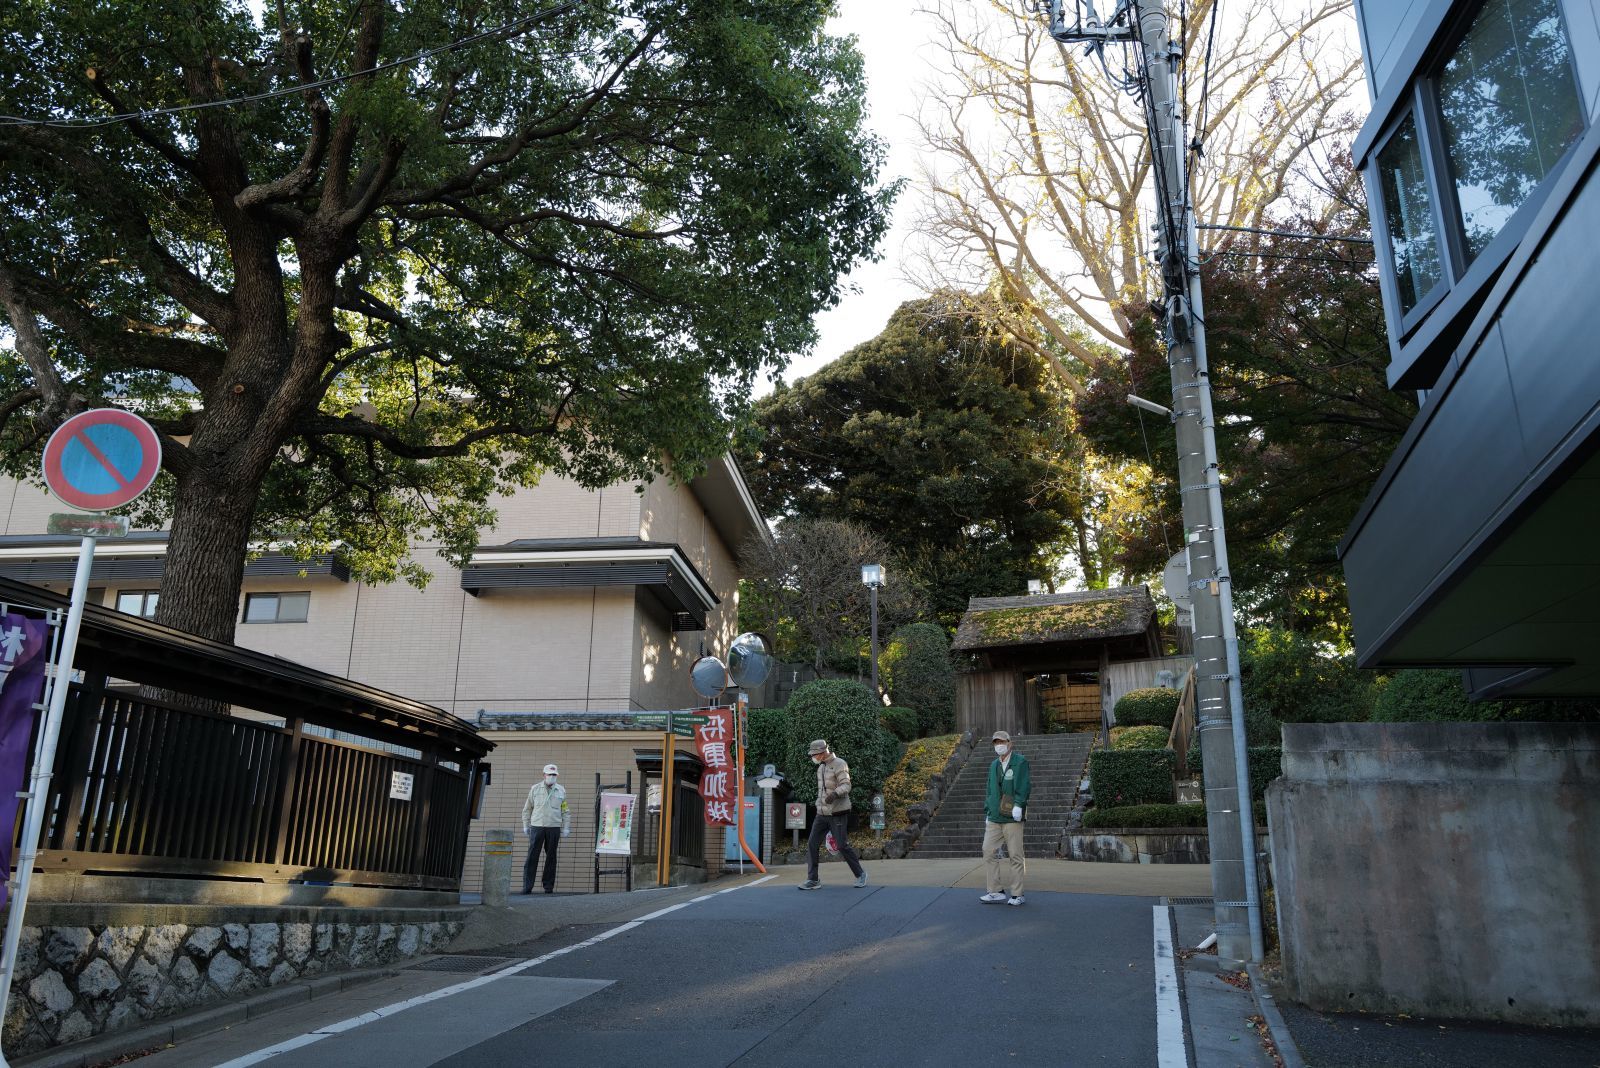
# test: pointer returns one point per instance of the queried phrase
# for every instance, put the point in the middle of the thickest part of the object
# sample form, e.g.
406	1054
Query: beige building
577	602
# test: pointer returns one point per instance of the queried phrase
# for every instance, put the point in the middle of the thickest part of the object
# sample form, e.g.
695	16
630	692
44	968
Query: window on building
1509	108
276	607
138	602
1408	211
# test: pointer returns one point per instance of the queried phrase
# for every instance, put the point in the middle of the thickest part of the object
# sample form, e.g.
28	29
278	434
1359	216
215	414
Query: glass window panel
1510	108
260	607
131	603
292	607
150	600
1408	208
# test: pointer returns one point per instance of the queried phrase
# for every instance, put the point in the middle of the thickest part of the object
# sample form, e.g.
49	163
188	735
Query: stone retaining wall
1168	845
921	814
75	982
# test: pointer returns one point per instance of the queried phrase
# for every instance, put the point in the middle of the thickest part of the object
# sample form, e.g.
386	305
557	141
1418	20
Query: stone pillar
499	844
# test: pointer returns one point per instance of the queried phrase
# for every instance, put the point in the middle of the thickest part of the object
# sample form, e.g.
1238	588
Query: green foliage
1153	706
944	437
1134	777
1294	678
1266	764
845	715
1145	737
922	759
491	270
917	672
1419	695
1146	816
901	722
768	740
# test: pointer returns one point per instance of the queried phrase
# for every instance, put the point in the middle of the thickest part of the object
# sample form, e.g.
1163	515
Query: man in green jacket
1004	806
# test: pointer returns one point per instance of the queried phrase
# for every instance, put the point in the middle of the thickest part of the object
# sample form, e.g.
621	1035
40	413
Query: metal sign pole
43	764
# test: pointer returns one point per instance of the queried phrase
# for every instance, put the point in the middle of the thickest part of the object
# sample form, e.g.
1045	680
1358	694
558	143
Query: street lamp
872	577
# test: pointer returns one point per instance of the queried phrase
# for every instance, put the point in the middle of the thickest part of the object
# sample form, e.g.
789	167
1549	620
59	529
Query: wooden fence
1182	734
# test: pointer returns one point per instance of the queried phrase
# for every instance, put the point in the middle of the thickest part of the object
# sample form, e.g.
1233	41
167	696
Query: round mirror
708	677
749	663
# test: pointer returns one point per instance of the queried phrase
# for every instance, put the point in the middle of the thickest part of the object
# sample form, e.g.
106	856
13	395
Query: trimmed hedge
901	722
1266	764
768	741
1146	816
1134	777
1124	738
1419	695
1153	706
845	714
918	674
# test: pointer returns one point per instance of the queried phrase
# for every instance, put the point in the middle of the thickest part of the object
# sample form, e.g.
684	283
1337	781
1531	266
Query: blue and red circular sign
101	459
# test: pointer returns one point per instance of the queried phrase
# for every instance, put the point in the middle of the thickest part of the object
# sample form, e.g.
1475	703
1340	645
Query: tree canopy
949	441
440	250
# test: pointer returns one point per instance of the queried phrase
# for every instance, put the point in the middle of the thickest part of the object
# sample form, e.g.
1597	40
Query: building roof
1043	619
563	721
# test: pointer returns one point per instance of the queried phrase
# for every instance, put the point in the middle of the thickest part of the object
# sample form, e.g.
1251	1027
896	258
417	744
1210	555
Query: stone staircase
1057	762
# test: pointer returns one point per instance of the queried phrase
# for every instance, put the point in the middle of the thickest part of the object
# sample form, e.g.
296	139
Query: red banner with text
719	782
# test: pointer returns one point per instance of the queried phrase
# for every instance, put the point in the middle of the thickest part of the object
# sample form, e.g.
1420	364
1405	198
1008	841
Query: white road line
329	1030
1171	1049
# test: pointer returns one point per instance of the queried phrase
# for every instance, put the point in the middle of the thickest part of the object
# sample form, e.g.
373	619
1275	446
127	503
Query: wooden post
664	838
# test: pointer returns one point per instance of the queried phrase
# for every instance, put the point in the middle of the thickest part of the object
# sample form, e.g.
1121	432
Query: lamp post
872	577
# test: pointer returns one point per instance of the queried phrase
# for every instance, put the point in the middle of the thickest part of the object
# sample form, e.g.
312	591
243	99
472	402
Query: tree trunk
205	558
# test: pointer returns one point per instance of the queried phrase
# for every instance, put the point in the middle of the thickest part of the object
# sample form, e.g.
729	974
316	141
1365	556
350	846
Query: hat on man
1000	736
551	769
818	746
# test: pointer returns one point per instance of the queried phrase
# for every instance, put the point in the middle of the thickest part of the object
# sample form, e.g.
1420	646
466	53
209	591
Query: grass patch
923	759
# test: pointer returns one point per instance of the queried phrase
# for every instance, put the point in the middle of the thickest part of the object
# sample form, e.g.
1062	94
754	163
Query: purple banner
23	643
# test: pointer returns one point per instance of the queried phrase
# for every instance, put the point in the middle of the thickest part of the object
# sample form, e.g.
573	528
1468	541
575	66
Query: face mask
817	760
549	780
1001	750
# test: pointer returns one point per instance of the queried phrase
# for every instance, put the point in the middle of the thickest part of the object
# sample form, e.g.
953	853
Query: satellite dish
749	663
708	677
1175	579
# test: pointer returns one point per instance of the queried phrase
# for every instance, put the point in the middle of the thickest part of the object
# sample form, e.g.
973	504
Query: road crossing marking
1171	1050
329	1030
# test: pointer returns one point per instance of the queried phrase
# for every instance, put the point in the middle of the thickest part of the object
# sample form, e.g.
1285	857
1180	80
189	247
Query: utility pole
1219	699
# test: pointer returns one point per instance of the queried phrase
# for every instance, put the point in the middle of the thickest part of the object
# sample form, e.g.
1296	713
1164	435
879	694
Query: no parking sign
101	459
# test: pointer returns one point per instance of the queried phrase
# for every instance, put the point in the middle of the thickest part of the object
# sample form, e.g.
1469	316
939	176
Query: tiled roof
560	721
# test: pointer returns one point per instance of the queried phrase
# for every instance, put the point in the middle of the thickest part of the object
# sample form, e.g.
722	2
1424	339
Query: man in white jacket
546	820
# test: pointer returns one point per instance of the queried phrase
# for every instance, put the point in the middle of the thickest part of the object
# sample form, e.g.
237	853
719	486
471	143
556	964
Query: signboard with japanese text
718	783
400	783
616	824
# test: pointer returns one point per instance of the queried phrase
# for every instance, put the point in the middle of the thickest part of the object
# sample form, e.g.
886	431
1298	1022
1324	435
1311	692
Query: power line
1284	233
510	28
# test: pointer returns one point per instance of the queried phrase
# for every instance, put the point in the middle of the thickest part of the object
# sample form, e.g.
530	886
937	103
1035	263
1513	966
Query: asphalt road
767	975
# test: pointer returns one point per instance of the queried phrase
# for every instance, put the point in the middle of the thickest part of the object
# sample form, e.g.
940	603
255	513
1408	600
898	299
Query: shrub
923	759
1419	695
846	715
1152	707
901	722
1146	816
1134	777
1266	764
1293	678
768	741
918	674
1139	737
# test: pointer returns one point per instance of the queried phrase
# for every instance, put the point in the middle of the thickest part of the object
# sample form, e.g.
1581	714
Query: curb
1267	1005
201	1022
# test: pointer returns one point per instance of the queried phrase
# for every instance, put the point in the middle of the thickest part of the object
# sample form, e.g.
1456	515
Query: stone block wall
902	841
75	982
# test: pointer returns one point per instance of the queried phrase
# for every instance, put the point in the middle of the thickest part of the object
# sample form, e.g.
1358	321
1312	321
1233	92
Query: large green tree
442	249
1305	418
946	439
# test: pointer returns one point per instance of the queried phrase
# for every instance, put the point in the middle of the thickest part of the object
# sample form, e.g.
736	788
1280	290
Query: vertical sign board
616	824
718	785
400	783
97	460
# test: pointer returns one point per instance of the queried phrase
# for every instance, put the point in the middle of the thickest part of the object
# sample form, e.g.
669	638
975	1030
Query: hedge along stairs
1057	762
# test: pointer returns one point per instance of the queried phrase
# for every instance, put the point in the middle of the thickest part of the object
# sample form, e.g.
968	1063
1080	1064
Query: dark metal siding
115	569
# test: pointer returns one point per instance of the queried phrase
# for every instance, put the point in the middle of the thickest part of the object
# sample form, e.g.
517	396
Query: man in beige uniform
546	821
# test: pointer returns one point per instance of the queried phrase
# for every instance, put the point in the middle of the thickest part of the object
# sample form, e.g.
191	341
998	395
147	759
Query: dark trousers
545	838
839	824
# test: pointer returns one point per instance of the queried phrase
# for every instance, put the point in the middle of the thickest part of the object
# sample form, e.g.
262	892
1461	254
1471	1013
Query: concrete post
499	845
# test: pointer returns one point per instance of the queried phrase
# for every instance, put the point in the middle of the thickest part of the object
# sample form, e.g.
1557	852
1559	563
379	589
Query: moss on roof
1088	615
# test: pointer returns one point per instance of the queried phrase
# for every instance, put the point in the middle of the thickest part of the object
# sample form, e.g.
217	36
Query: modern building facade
578	602
1474	548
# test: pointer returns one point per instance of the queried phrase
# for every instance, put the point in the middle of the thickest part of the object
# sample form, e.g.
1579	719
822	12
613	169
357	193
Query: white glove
566	832
1016	813
528	830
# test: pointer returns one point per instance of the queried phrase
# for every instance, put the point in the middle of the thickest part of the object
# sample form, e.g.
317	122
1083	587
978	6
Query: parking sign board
101	459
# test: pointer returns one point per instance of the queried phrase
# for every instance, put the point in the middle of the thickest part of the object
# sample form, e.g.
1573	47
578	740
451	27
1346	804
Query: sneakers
810	884
992	899
861	880
1019	899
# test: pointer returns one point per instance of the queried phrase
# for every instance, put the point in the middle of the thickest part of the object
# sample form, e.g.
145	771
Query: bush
846	715
1123	738
1266	764
1134	777
768	741
1151	707
1424	696
901	722
918	674
1293	678
1146	816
